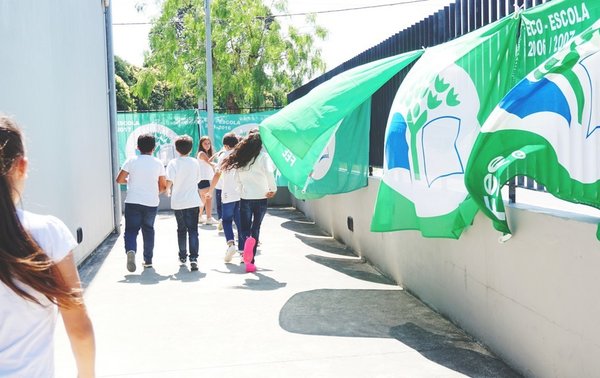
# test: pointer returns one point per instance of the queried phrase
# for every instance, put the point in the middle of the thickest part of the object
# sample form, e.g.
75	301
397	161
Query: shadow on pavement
263	283
390	314
353	267
147	277
91	265
185	275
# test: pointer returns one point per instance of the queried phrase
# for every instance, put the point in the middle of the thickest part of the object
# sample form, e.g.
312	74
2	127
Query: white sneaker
220	225
231	250
201	219
211	220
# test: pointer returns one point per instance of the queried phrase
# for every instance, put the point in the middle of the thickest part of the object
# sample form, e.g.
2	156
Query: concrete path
313	309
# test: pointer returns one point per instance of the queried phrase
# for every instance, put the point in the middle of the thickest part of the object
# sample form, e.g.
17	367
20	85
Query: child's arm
122	177
77	322
213	184
162	184
169	186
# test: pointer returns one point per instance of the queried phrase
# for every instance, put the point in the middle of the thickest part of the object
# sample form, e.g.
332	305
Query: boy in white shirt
145	179
183	175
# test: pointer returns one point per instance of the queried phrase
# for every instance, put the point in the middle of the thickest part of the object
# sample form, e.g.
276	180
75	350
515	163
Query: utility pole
209	74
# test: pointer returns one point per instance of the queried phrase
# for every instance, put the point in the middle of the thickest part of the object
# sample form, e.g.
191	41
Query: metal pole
112	112
209	78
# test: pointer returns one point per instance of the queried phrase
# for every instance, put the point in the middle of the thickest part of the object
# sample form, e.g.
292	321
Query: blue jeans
252	213
219	203
187	229
136	217
231	213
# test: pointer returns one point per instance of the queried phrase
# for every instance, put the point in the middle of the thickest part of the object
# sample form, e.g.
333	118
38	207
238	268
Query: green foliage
255	62
138	89
124	100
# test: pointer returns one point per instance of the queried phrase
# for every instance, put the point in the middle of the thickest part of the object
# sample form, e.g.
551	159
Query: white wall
533	300
53	81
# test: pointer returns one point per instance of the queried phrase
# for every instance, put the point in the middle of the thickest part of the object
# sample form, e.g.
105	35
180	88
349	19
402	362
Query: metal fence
452	21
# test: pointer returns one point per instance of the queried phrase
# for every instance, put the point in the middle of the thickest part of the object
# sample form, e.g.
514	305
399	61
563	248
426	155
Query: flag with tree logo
546	128
300	137
432	125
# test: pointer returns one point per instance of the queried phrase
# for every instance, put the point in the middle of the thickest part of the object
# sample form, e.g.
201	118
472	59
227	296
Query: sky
350	32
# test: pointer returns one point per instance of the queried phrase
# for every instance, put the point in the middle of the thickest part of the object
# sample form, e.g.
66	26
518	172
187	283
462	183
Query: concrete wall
53	80
532	300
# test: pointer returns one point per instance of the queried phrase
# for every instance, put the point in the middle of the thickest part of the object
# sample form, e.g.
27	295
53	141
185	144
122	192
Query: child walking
256	180
145	179
37	275
230	198
205	153
183	175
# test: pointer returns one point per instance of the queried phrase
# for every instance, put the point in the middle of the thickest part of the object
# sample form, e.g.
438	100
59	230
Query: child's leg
133	223
182	233
227	218
191	219
148	232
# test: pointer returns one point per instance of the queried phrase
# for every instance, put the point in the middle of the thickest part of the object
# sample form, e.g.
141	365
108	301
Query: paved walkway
312	309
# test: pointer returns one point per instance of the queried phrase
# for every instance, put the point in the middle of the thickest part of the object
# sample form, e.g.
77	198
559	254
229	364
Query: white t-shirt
26	328
184	173
256	179
221	155
142	182
206	170
229	187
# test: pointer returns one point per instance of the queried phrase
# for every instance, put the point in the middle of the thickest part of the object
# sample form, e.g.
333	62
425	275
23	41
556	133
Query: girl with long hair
37	275
256	180
207	171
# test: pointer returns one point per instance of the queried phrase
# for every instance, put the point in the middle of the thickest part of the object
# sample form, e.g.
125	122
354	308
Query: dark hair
230	140
244	153
146	143
22	259
210	151
184	144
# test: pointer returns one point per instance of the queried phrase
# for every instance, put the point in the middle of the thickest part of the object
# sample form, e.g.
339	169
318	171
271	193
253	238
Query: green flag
547	128
344	164
433	123
297	135
546	28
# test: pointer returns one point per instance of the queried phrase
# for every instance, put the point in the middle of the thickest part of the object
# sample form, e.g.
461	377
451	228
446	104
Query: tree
137	90
255	62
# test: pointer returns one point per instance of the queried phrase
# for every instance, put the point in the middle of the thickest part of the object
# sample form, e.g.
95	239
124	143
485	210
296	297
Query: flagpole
209	73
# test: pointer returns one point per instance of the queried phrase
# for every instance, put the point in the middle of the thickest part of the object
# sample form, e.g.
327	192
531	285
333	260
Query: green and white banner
546	28
547	128
240	124
433	123
166	127
314	141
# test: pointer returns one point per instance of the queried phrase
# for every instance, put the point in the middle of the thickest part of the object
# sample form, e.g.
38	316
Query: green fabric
433	123
297	135
546	128
166	127
344	165
546	28
240	124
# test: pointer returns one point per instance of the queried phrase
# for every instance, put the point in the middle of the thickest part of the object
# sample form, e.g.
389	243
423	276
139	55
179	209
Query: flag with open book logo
432	125
547	128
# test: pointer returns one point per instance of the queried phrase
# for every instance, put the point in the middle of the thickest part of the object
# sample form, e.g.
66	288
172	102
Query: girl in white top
207	171
37	275
256	182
